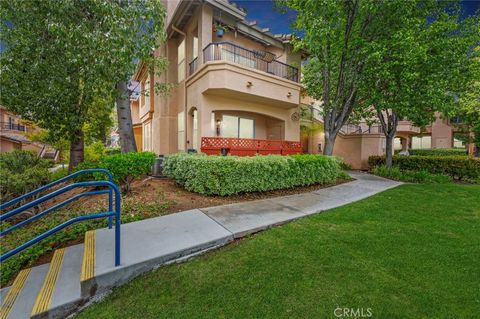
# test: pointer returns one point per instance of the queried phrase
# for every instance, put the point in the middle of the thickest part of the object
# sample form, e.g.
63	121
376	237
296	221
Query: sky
267	17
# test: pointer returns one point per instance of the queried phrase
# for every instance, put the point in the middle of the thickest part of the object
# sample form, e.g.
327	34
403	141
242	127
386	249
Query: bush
124	167
228	175
94	151
59	173
21	172
112	151
458	167
439	152
412	177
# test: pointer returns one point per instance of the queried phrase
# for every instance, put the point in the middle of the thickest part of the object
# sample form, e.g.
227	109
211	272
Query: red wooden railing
248	147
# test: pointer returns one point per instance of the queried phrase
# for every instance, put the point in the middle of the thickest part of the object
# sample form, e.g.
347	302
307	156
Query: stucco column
205	22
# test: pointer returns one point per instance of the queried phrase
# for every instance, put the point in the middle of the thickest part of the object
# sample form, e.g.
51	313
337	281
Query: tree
99	120
342	38
73	52
468	109
417	68
334	33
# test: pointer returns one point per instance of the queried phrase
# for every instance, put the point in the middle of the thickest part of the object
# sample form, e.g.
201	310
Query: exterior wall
442	134
8	146
32	147
356	149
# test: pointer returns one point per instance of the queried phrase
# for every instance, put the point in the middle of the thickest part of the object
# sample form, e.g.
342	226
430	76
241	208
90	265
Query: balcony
259	60
248	147
407	127
12	127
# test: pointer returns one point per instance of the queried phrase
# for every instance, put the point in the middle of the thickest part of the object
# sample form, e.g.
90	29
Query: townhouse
237	90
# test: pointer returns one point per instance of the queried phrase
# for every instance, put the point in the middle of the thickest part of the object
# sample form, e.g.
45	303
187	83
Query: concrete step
19	301
3	294
61	294
145	245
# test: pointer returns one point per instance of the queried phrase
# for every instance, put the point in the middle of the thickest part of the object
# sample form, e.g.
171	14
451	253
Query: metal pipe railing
226	51
112	188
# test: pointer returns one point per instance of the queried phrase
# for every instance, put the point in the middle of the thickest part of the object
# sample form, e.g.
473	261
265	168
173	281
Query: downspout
174	28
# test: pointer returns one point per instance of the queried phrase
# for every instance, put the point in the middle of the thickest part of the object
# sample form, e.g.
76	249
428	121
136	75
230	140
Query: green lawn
410	252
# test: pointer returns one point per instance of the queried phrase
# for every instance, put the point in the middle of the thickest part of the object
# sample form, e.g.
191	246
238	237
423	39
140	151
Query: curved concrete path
245	218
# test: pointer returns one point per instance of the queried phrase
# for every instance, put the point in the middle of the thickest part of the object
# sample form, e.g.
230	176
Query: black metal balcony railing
13	126
192	66
226	51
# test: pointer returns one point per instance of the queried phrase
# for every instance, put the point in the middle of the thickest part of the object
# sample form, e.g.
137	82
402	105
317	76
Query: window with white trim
147	136
181	131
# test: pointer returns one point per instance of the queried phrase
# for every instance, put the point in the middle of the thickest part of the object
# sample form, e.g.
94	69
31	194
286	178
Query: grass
411	176
410	252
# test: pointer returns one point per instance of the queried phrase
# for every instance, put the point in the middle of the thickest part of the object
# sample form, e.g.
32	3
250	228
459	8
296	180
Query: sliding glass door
234	126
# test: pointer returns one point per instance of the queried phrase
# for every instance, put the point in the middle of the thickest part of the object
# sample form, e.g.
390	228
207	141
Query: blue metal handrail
58	181
112	188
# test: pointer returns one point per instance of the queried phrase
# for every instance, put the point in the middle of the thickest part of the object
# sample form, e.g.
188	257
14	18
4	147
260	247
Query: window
181	131
146	94
181	61
147	136
195	48
233	126
246	128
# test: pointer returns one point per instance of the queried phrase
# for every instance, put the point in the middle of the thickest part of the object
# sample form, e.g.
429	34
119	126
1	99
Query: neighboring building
355	143
240	91
12	133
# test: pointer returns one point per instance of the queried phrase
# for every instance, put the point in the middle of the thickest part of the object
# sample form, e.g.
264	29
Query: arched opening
193	129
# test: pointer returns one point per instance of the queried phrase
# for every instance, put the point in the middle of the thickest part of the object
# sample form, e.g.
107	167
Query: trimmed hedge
439	152
458	167
229	175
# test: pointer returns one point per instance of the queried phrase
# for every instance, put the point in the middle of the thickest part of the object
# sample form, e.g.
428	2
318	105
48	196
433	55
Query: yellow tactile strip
13	293
88	263
44	297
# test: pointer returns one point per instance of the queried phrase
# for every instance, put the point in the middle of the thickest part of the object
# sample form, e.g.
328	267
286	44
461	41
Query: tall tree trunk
389	126
124	114
389	150
76	150
329	143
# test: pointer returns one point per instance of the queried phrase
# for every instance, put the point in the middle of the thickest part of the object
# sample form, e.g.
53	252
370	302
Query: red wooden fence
248	147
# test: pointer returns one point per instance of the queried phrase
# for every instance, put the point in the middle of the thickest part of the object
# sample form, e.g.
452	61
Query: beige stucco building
242	84
241	90
13	132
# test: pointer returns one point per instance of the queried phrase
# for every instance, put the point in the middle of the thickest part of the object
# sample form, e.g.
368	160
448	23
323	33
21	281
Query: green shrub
458	167
112	150
94	151
124	167
408	176
59	173
439	152
18	161
228	175
21	172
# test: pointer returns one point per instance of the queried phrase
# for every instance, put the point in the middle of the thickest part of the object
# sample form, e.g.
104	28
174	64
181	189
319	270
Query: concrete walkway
249	217
80	272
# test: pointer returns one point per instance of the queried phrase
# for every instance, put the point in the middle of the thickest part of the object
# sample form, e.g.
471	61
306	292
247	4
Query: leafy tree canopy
61	56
